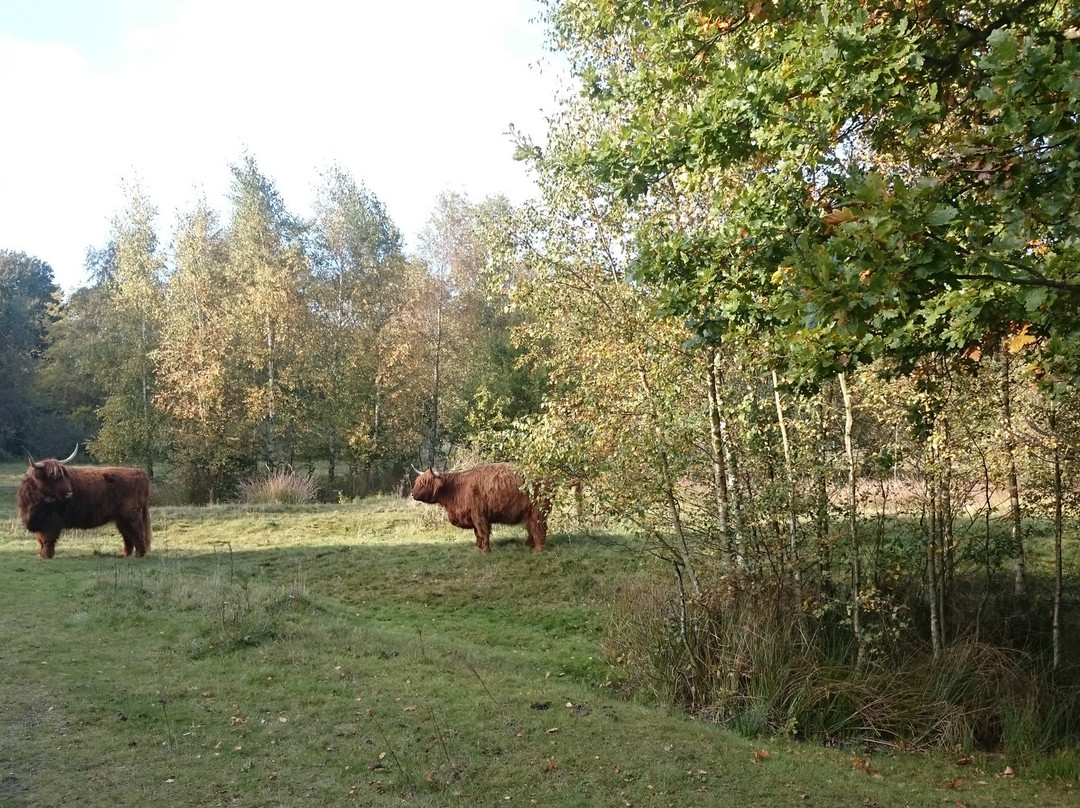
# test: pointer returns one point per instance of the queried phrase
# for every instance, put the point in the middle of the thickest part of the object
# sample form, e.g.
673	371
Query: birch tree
270	314
130	324
358	284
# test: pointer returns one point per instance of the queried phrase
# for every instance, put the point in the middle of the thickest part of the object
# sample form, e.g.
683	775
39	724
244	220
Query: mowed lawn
367	654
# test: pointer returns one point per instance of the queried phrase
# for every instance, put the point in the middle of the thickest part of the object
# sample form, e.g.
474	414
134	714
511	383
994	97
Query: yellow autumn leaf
780	274
1021	340
839	217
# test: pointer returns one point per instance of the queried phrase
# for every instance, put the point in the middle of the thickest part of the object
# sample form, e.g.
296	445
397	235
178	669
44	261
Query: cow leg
135	530
46	544
537	527
132	536
482	529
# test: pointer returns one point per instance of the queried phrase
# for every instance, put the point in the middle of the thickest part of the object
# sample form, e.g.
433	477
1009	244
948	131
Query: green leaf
941	215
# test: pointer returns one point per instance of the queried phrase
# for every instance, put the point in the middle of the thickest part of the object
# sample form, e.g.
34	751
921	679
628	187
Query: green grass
367	655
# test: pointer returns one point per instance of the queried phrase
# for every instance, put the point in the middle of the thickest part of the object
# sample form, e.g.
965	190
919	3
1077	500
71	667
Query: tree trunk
270	403
433	435
853	525
1058	534
945	523
821	519
1011	482
738	522
793	519
933	556
682	549
720	479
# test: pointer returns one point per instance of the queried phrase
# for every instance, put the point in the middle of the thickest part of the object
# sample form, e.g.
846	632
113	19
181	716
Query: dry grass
278	487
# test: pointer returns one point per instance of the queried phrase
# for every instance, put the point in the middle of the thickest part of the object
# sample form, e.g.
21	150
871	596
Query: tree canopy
864	180
28	297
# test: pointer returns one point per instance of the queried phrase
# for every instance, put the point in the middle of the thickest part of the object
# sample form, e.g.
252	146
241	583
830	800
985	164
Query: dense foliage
28	300
871	179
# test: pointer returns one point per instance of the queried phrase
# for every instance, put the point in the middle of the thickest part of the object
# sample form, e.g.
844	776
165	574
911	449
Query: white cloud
412	99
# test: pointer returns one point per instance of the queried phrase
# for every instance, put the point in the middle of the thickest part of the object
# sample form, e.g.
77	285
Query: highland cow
480	497
54	497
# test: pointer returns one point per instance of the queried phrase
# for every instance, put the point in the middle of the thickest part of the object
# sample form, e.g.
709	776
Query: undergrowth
762	664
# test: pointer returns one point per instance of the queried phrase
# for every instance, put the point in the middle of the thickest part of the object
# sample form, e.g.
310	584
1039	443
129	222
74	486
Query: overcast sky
412	99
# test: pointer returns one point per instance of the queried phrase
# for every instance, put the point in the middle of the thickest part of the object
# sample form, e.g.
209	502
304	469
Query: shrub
283	486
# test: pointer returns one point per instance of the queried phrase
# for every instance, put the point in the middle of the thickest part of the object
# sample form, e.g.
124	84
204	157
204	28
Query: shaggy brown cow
54	496
480	497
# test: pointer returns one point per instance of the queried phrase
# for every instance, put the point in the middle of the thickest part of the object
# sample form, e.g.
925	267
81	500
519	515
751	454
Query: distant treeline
259	339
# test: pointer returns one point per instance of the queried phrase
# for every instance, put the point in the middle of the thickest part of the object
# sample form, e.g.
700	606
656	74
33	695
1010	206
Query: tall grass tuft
283	486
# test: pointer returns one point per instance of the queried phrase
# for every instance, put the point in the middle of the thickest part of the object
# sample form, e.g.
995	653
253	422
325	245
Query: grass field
367	655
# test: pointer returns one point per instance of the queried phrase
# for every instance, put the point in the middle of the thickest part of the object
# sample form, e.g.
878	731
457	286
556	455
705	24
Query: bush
279	487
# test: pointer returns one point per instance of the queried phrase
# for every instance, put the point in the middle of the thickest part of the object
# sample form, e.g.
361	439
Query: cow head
427	485
46	484
50	478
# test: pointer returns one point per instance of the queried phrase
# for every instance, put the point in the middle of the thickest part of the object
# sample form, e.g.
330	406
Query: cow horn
418	472
70	457
434	472
38	464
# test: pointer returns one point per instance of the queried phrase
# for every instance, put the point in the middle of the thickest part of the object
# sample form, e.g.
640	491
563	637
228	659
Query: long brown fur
479	497
54	497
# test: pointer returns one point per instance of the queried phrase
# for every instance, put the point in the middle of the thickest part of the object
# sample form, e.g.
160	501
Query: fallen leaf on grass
860	764
761	754
1008	772
553	729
